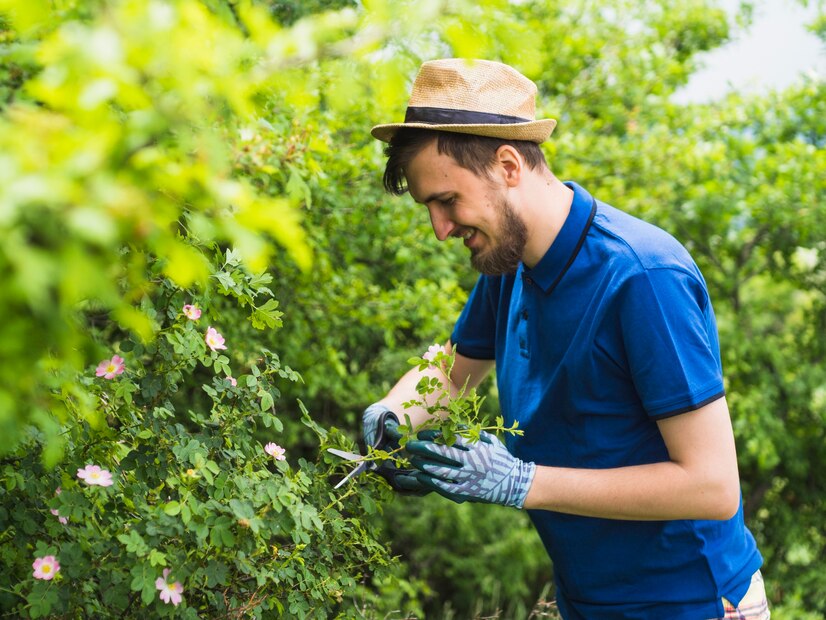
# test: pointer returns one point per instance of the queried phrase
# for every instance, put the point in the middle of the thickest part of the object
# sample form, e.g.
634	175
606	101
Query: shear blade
350	456
359	469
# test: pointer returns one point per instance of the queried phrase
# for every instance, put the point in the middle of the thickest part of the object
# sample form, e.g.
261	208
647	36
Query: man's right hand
380	429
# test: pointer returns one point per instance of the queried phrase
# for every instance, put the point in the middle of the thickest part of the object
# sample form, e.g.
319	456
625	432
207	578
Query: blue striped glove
370	425
472	472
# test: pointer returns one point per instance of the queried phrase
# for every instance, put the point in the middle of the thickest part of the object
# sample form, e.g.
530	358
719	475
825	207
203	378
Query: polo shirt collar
559	257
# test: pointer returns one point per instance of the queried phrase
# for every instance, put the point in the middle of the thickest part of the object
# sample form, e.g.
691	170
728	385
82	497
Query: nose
442	224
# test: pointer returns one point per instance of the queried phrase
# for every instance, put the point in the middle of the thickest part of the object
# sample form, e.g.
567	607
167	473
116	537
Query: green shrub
192	488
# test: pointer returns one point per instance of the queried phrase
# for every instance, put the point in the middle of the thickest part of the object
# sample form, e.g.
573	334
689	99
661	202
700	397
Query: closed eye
445	199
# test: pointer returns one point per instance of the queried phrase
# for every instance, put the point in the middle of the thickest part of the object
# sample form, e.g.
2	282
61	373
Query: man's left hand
380	429
472	472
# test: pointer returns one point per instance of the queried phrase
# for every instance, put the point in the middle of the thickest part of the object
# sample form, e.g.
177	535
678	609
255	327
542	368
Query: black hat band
448	116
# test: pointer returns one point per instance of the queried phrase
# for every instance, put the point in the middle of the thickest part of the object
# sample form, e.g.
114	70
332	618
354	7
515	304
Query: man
605	347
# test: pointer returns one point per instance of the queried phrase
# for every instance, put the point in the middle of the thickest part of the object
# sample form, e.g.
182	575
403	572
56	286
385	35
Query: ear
511	164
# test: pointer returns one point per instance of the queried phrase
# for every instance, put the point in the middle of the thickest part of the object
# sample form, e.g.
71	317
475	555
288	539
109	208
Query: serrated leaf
266	316
157	558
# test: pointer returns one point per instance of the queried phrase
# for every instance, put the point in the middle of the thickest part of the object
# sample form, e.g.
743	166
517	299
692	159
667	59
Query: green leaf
134	543
267	401
221	534
266	315
172	508
41	600
148	593
367	503
241	509
297	188
157	558
141	577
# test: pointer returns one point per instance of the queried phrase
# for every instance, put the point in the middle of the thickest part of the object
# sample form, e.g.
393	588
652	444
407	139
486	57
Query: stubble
504	257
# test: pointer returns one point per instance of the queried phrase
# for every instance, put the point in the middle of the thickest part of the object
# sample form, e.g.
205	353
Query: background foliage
140	141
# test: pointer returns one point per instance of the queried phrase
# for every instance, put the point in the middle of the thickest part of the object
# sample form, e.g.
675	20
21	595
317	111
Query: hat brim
533	131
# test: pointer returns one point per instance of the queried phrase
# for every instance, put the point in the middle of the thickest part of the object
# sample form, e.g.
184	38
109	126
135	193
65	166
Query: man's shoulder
638	241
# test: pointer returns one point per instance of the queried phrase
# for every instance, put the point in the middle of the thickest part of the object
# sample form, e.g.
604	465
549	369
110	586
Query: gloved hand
380	429
472	472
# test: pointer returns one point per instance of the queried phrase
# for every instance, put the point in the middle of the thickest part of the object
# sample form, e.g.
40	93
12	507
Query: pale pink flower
46	567
275	451
192	312
109	369
232	381
94	475
433	351
214	340
63	520
170	593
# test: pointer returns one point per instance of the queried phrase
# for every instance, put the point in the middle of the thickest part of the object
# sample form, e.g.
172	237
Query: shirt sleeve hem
691	407
476	353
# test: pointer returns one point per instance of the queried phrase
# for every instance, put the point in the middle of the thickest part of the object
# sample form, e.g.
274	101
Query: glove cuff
370	422
522	480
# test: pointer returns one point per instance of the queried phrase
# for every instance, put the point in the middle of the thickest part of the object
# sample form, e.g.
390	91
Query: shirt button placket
523	326
523	332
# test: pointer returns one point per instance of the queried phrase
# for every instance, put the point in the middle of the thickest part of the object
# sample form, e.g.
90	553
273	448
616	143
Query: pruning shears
387	431
359	469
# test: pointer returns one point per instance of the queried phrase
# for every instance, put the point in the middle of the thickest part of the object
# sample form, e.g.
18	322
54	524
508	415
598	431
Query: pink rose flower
191	312
232	381
63	520
109	369
275	451
433	351
95	476
46	567
170	593
214	340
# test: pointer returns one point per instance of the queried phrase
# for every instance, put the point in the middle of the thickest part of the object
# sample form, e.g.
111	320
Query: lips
467	235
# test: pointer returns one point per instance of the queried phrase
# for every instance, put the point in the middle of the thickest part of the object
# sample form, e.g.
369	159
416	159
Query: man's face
467	206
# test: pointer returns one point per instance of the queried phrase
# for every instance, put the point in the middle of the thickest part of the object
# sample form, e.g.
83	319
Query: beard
503	258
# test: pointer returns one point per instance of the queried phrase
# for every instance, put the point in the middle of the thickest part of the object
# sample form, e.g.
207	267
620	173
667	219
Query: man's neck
547	205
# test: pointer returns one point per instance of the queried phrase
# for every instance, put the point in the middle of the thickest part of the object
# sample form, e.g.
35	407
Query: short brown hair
474	153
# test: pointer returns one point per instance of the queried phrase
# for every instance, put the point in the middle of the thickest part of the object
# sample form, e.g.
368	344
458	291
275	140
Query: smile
466	235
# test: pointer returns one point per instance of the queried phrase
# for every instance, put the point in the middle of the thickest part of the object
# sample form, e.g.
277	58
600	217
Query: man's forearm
465	371
700	481
653	492
405	391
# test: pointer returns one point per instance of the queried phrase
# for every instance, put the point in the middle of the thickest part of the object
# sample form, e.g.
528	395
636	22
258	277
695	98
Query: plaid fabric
754	605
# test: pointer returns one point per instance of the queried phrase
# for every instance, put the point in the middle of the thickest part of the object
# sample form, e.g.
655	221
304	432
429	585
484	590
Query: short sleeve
474	334
670	340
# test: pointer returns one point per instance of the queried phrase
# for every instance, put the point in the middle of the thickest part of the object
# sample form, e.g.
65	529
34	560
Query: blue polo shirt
611	331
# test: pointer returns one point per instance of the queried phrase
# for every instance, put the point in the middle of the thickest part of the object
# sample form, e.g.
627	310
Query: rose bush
180	500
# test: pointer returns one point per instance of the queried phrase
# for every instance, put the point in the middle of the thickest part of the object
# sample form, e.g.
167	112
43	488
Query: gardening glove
472	472
380	429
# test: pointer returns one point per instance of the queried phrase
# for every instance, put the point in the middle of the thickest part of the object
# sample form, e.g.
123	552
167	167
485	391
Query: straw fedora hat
478	97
